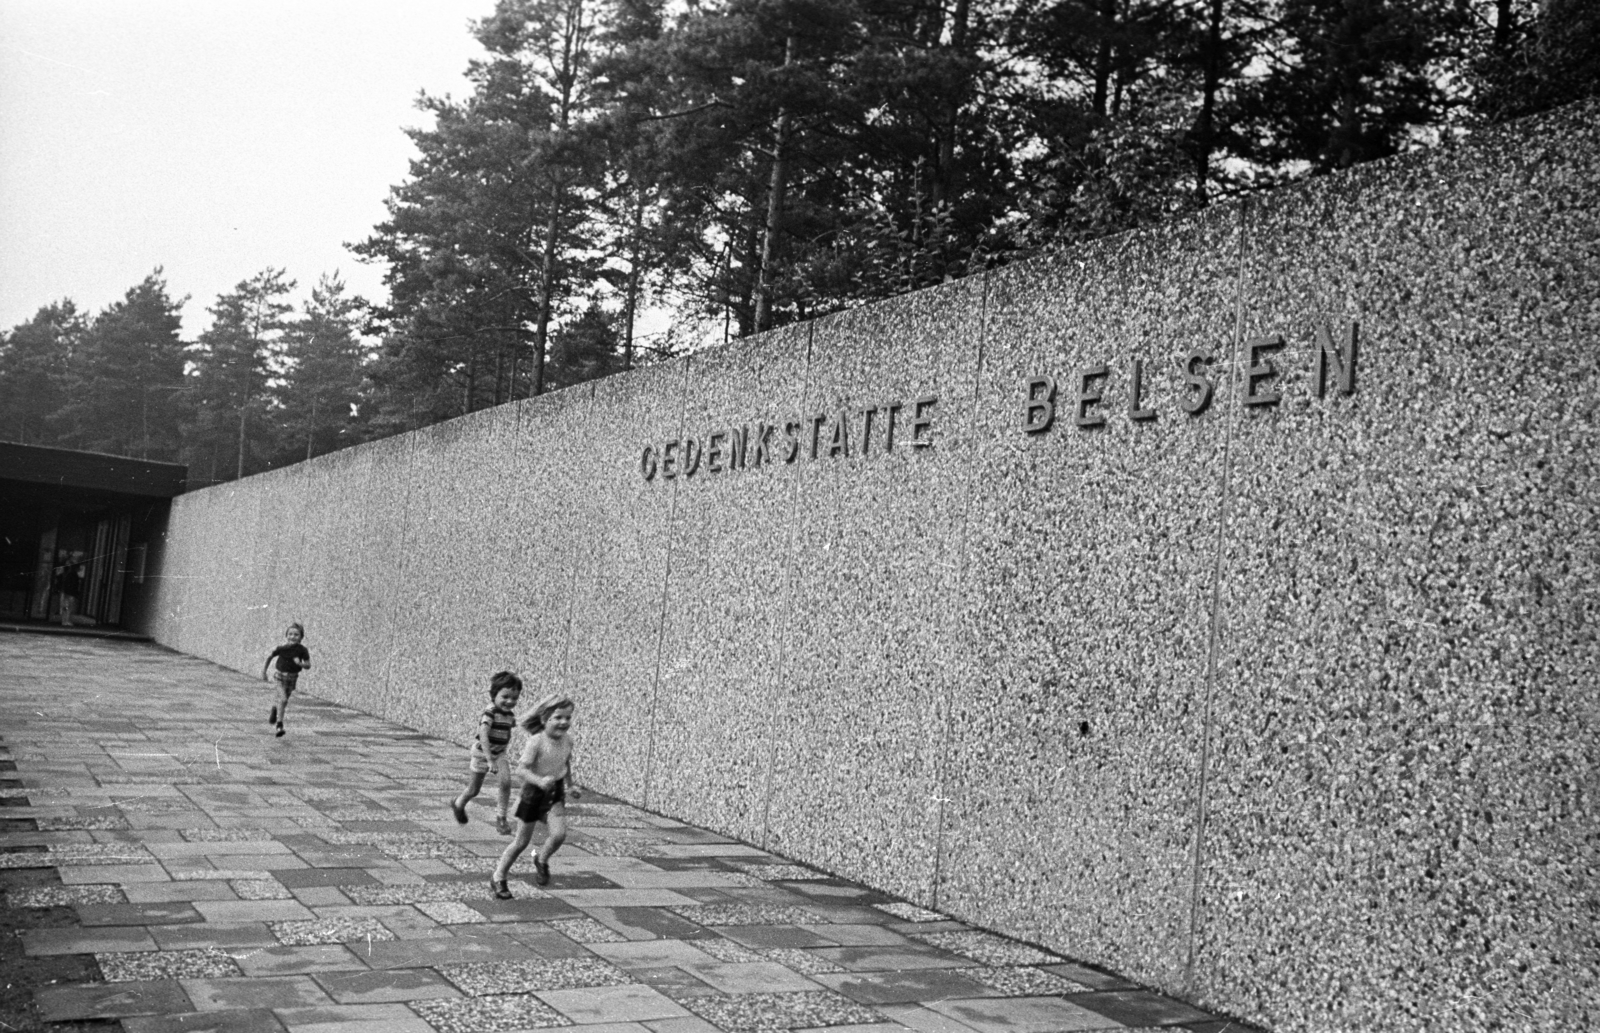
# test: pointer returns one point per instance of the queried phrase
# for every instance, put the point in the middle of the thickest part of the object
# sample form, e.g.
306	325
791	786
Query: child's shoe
459	811
279	732
541	872
502	826
501	890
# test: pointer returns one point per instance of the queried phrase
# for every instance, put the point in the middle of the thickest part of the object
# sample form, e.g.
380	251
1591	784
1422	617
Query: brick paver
227	879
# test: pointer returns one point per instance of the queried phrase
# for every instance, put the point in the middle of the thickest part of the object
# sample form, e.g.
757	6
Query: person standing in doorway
292	659
69	585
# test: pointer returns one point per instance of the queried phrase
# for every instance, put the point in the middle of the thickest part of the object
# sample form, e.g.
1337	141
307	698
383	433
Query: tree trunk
1208	106
633	279
1504	24
541	336
1102	58
311	426
775	192
944	172
240	473
727	288
744	307
574	31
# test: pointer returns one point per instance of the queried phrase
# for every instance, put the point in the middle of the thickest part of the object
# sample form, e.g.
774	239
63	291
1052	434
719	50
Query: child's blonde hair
542	710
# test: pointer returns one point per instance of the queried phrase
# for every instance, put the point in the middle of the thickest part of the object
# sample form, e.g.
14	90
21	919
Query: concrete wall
1290	709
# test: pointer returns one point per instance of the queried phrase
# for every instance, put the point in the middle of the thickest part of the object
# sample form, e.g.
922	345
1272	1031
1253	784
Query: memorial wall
1215	603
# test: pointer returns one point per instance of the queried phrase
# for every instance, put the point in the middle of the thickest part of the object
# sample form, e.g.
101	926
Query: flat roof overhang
91	471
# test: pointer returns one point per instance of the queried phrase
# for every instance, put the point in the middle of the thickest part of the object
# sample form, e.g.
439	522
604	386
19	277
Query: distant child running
292	659
546	771
489	749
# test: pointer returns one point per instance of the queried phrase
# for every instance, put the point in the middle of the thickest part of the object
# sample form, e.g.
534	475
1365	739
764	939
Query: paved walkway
222	879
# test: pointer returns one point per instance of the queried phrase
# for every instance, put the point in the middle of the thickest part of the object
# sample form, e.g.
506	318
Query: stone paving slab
247	1021
226	880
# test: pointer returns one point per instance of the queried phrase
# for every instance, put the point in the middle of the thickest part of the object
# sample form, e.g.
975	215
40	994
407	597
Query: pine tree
1348	81
322	395
1530	57
125	383
34	361
234	362
492	238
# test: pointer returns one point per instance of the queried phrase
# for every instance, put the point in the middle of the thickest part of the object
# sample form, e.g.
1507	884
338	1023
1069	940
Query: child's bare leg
283	703
505	792
474	784
556	822
514	850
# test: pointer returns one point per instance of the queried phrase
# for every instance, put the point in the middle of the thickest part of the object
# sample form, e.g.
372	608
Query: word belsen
849	432
1088	399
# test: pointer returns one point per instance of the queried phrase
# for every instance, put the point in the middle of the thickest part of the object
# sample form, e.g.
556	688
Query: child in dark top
547	781
69	582
489	749
292	659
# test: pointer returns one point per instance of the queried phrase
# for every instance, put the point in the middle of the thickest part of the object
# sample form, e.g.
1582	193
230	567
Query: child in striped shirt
489	749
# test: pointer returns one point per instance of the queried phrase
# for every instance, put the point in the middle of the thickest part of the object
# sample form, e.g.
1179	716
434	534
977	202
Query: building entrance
75	528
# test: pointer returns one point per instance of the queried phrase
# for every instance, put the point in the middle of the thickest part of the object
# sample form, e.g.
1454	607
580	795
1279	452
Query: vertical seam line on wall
666	594
405	528
572	582
783	608
1202	801
941	779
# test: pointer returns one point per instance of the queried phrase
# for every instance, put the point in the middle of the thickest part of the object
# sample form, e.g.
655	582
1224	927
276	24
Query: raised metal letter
1254	349
1044	406
1136	395
920	423
888	431
839	443
763	452
1345	363
1195	404
1087	398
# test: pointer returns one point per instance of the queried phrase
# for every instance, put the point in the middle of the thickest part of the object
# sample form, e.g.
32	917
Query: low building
79	521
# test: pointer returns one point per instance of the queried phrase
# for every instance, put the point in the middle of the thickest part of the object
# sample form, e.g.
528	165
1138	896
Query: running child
546	772
292	659
489	749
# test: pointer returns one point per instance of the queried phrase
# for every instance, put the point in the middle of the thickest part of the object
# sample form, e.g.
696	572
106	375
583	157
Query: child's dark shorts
287	680
535	803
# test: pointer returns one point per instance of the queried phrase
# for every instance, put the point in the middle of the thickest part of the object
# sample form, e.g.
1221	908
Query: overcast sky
212	138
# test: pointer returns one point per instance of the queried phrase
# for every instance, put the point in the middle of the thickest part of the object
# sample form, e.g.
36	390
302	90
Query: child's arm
572	780
267	664
483	735
305	662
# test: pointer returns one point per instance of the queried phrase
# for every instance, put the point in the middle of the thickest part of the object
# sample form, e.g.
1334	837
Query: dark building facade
76	533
